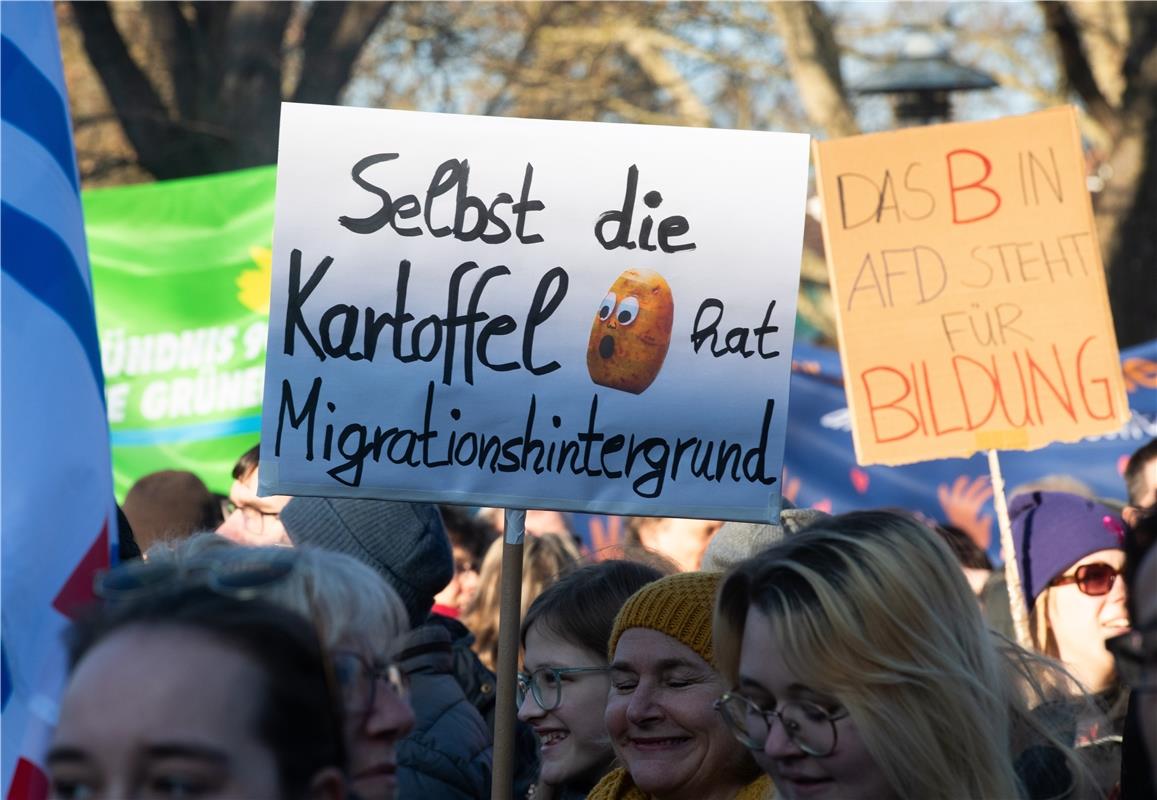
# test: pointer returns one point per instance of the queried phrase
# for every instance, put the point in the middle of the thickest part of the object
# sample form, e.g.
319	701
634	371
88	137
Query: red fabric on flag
28	782
77	592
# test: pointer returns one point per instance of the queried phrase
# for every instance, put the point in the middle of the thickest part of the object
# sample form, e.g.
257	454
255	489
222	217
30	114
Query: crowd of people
343	649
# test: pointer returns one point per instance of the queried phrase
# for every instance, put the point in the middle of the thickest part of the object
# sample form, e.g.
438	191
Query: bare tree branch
142	112
249	100
1074	63
334	36
539	18
659	69
814	58
175	37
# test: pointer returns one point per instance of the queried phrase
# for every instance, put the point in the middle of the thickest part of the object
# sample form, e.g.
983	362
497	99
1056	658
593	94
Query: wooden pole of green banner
509	620
1016	602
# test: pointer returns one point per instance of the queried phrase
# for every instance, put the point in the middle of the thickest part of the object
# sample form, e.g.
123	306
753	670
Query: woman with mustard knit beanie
661	714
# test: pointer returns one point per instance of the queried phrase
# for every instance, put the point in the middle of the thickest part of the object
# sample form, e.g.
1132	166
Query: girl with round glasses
861	669
563	690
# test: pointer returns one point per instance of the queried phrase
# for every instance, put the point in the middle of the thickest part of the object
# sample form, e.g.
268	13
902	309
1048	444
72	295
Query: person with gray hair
359	620
737	541
449	752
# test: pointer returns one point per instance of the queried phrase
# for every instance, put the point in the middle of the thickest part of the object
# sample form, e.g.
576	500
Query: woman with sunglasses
563	692
861	669
1070	551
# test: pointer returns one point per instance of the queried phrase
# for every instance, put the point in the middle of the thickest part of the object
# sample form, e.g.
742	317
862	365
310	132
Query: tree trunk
814	59
225	64
1131	243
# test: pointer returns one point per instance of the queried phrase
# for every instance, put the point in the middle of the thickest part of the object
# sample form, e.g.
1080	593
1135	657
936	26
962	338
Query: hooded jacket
448	754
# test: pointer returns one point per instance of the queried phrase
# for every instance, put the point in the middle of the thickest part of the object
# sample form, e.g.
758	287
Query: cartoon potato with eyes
631	332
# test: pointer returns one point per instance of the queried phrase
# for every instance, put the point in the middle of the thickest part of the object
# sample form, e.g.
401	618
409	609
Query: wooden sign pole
509	621
1016	601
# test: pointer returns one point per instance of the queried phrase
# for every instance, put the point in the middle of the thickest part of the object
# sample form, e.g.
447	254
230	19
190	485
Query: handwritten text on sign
530	313
969	288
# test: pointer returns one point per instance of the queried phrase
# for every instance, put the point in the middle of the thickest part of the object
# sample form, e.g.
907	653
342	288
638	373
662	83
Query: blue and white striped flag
57	512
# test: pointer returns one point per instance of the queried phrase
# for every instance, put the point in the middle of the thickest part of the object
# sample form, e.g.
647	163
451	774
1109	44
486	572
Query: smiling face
631	332
1081	623
162	711
576	750
849	773
664	727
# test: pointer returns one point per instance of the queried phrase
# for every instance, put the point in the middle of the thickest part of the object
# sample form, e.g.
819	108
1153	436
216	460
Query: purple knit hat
1054	530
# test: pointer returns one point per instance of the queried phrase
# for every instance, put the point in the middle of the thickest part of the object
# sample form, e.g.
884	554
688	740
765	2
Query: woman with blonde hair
861	668
545	558
1070	552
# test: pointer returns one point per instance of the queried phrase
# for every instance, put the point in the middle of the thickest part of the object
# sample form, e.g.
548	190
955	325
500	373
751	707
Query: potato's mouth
607	346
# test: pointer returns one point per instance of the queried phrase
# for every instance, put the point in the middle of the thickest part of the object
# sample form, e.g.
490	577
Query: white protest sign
532	314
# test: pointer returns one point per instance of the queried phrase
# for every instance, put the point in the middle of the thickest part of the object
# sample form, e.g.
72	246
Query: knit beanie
678	605
404	542
737	541
1054	530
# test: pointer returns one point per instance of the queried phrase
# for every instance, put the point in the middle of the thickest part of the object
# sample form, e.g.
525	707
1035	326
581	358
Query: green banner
181	273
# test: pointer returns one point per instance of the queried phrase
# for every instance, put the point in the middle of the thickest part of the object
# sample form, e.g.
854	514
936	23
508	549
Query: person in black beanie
448	754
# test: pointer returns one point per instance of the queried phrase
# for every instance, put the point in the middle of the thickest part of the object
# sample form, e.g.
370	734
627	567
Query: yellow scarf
617	785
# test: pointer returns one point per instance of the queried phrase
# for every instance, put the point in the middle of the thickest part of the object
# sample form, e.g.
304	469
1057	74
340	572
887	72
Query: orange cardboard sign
969	289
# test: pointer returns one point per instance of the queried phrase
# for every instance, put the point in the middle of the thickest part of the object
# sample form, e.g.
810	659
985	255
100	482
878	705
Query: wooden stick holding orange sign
1016	604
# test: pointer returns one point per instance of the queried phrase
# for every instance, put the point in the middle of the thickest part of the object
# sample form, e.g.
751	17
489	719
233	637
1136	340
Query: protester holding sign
564	688
660	713
861	669
192	693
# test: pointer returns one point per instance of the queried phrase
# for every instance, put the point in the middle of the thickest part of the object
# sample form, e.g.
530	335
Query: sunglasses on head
1093	579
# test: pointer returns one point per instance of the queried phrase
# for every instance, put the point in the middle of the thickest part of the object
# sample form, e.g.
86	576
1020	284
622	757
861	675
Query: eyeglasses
358	680
252	518
237	573
1092	579
810	726
1135	654
545	684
